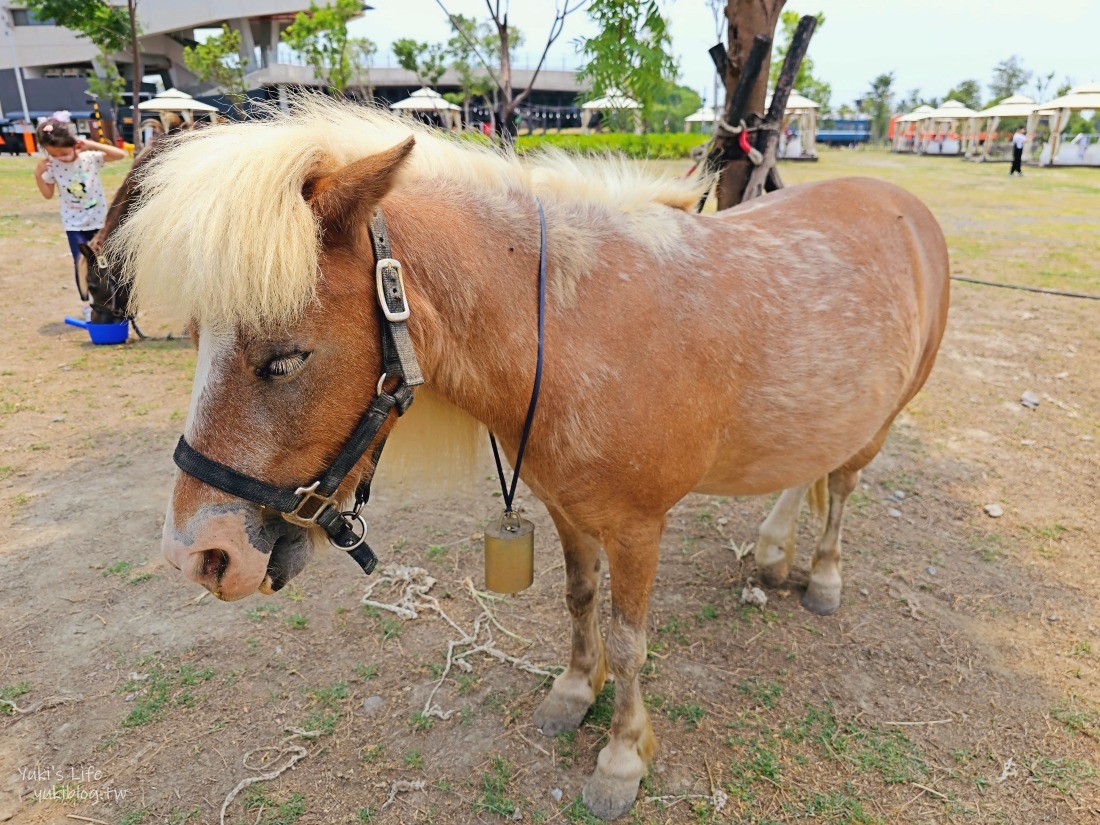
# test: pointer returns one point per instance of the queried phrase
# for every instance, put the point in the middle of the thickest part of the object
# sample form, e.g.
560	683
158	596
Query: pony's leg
576	688
775	545
823	594
632	558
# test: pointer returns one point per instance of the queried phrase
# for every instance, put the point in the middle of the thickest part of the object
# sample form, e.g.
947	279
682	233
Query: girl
72	164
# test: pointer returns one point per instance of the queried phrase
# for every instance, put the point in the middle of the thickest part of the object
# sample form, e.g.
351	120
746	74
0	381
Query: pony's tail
818	499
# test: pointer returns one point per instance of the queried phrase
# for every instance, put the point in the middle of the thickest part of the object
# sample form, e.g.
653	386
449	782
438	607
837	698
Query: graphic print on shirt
83	202
78	188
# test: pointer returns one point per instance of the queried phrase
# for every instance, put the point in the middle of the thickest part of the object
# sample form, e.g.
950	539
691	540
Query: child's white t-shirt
83	202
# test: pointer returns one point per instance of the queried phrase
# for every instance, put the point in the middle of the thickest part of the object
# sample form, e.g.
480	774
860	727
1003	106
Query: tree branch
555	31
471	43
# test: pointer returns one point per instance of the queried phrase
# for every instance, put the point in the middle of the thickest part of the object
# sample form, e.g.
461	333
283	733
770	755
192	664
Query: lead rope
510	493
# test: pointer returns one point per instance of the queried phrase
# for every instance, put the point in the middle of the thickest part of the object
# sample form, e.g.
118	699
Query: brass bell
509	554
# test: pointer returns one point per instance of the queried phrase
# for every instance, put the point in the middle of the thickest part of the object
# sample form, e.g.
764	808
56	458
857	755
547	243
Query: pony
97	276
765	348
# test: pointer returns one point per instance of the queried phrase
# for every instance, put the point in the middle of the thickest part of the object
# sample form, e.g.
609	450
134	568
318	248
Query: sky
930	45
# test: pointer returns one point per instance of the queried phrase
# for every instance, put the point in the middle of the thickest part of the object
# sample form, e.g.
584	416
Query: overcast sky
929	44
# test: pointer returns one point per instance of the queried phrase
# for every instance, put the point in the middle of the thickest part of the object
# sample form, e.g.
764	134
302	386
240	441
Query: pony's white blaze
214	350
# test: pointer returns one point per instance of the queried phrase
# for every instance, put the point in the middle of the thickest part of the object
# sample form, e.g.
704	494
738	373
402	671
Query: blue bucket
103	333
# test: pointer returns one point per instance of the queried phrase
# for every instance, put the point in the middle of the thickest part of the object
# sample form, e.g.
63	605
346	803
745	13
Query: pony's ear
336	198
90	255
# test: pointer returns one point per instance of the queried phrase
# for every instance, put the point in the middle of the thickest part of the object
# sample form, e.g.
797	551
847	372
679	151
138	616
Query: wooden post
747	19
765	177
724	147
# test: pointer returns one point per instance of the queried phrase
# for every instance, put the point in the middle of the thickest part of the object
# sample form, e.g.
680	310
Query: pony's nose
217	552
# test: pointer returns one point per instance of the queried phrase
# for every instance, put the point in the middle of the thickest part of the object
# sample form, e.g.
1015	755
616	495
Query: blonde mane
223	234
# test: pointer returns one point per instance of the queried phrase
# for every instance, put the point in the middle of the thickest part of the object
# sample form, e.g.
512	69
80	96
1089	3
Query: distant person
72	165
1018	141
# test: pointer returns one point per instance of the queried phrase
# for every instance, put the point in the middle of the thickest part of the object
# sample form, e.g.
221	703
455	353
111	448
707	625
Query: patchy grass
11	693
494	785
162	688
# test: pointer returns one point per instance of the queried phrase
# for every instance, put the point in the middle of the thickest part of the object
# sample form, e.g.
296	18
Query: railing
286	56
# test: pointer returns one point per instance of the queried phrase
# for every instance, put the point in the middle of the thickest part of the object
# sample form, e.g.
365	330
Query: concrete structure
44	67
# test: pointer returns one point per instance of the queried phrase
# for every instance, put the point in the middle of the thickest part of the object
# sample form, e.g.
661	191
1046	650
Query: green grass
11	693
1039	230
162	689
494	785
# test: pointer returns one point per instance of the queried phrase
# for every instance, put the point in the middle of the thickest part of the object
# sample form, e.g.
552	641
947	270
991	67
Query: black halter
314	505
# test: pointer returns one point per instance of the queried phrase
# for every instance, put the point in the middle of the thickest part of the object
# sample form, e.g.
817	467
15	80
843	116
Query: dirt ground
958	683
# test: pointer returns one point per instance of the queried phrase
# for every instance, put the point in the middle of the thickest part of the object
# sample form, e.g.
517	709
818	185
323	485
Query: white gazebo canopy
613	100
429	100
795	102
1079	97
1015	106
984	123
174	100
950	110
938	130
1079	153
920	113
706	114
800	117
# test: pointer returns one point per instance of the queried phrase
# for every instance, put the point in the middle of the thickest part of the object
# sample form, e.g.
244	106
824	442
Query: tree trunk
135	115
747	18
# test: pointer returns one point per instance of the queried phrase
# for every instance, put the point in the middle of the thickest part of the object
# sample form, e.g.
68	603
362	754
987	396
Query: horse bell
509	554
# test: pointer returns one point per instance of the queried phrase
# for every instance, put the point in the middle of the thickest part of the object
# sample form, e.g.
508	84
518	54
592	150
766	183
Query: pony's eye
283	365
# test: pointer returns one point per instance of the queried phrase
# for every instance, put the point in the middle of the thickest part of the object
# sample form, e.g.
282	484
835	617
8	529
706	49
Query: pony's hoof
774	575
559	714
608	797
822	600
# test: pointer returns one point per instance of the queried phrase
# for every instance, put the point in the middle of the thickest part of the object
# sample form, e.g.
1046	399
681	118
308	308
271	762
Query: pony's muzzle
220	552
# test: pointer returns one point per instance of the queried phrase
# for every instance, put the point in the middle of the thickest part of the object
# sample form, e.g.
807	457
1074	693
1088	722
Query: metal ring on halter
381	381
362	536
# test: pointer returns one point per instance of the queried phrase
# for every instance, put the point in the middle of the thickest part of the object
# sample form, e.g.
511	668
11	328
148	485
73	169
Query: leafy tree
878	102
805	82
363	50
321	36
106	25
968	93
1041	84
631	51
425	60
462	48
218	60
1009	77
505	98
112	29
910	101
671	105
107	85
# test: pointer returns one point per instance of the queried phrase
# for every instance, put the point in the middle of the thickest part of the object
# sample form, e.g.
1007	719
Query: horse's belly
787	436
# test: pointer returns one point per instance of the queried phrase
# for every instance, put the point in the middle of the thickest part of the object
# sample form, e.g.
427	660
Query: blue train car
844	131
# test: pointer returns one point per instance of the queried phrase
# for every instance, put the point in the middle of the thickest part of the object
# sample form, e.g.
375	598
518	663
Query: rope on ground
415	584
399	786
296	752
1043	290
48	702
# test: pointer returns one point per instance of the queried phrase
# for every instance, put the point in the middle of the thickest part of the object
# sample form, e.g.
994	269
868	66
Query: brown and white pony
760	349
99	277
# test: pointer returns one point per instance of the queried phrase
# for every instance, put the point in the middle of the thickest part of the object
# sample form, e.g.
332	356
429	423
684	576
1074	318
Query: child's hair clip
48	127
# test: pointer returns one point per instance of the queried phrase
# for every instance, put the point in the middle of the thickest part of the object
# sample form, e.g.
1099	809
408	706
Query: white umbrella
425	100
174	100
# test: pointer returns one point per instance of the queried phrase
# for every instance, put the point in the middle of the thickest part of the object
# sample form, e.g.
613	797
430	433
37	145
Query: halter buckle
309	493
395	291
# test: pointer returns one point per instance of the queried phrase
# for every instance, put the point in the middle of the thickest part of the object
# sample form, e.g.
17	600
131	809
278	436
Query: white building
53	62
